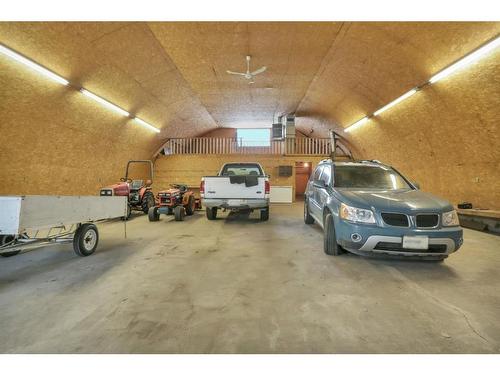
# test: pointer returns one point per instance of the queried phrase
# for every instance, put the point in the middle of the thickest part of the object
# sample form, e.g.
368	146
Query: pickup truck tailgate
222	188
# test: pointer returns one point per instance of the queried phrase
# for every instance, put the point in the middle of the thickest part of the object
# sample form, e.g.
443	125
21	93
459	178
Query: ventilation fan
249	75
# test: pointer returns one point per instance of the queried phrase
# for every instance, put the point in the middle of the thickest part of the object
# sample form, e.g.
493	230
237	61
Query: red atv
178	200
139	192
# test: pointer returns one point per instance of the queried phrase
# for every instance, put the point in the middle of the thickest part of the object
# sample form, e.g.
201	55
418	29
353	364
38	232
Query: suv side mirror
319	184
417	185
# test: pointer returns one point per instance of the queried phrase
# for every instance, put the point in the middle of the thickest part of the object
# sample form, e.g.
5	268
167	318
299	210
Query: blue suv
368	208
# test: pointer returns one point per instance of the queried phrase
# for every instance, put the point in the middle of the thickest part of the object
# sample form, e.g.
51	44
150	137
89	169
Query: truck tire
211	213
85	240
153	214
330	245
148	201
264	214
190	206
308	219
4	240
179	213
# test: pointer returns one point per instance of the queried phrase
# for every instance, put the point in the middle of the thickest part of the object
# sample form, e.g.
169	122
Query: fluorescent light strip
394	102
145	124
40	69
470	58
104	102
357	124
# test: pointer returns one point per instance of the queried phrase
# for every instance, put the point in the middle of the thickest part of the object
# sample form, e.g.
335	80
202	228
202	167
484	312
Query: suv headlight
450	219
358	215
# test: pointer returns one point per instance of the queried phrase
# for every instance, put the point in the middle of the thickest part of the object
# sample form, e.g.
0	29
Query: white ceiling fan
249	75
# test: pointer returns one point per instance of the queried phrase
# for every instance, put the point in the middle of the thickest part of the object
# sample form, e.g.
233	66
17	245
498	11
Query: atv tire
190	206
148	201
179	213
153	214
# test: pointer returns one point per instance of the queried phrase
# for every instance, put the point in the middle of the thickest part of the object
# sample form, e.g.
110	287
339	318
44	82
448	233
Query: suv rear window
241	170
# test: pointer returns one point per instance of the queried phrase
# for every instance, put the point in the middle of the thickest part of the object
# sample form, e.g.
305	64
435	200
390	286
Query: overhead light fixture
394	102
470	58
356	124
104	102
40	69
145	124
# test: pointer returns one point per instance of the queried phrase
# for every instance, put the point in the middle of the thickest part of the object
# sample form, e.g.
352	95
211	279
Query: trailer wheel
211	213
85	240
148	200
4	240
153	214
179	213
190	206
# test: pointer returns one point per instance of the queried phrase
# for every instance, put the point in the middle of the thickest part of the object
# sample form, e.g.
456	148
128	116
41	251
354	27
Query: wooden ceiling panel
203	52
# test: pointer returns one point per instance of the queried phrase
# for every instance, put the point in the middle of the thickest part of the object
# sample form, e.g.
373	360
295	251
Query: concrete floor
242	286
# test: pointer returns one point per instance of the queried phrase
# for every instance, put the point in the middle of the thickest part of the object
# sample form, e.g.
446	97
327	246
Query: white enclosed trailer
33	220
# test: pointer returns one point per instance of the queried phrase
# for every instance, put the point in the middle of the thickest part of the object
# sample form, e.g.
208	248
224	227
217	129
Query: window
241	170
254	137
317	173
367	176
327	173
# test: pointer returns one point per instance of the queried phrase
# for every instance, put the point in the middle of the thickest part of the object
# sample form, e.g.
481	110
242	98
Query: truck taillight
202	187
267	188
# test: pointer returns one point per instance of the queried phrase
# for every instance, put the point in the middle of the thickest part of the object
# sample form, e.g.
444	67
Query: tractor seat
136	184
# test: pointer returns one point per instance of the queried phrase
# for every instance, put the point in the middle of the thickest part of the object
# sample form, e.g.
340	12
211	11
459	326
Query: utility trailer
31	221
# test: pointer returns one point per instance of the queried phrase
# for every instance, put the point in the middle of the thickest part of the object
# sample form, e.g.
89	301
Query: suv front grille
396	220
391	246
427	220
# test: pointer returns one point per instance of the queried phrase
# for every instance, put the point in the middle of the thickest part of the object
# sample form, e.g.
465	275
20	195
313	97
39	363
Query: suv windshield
241	170
368	176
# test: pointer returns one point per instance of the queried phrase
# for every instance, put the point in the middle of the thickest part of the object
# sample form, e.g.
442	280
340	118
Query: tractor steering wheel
128	180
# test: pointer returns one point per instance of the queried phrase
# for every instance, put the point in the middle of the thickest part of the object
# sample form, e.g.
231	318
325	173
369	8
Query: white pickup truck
237	187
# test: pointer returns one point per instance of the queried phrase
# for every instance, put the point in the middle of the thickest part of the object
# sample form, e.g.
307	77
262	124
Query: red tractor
139	192
177	200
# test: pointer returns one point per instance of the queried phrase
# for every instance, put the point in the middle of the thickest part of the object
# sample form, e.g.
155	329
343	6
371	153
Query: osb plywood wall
189	169
54	140
445	136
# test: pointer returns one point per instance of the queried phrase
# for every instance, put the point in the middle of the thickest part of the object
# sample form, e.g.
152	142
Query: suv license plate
420	242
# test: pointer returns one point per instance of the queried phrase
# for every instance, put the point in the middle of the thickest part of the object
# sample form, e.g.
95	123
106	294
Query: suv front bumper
389	240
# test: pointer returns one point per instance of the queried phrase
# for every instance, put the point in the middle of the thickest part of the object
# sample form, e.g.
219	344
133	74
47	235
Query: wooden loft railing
289	146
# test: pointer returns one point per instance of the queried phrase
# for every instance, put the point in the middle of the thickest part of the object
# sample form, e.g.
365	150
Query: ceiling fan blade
258	71
236	73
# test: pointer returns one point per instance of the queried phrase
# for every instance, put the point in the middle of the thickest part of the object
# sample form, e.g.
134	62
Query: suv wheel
330	245
308	219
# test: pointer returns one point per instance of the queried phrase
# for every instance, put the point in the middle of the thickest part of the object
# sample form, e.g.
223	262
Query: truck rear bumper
236	204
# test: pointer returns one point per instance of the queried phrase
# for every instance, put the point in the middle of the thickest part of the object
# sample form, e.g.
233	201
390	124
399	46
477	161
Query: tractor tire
85	240
330	245
308	219
148	201
190	206
211	213
4	240
153	214
179	213
264	214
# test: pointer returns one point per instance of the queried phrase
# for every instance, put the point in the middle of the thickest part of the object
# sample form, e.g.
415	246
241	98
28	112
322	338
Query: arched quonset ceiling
173	76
